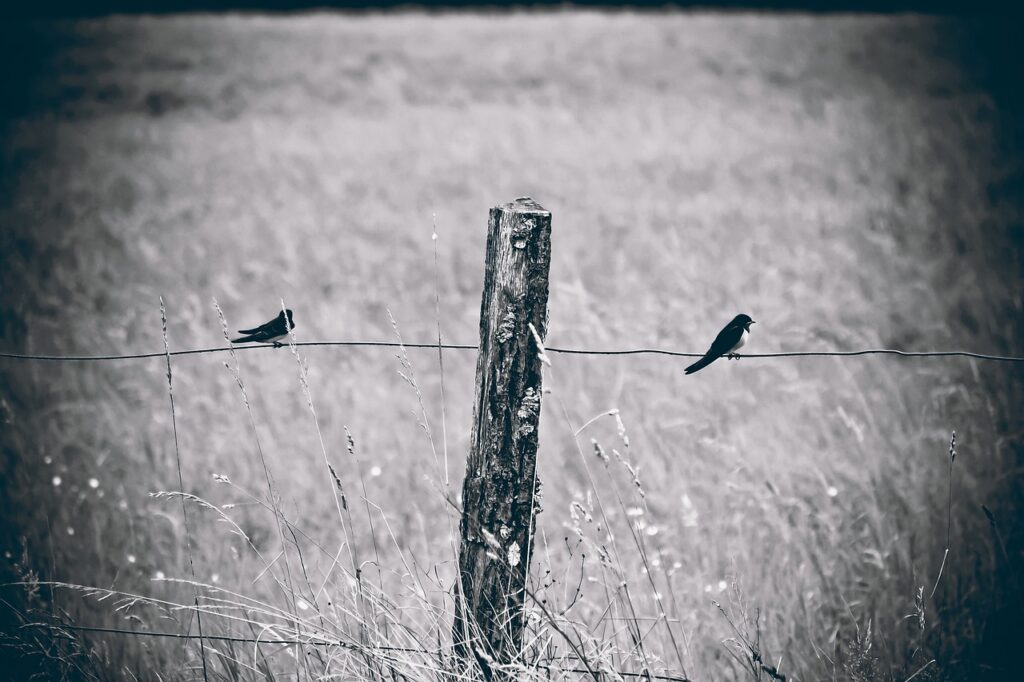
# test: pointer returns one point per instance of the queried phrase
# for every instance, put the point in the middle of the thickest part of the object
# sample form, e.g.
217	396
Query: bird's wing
726	340
278	326
271	330
255	330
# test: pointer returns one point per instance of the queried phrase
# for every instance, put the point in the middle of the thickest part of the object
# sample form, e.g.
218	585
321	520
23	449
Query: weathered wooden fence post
498	493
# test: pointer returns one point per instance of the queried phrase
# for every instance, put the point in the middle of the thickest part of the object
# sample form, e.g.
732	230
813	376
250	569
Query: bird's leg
733	356
278	344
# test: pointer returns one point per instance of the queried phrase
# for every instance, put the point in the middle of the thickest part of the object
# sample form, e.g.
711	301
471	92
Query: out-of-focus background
850	181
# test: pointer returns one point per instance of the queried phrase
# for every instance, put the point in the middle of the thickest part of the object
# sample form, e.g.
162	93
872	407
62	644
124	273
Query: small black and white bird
728	341
271	332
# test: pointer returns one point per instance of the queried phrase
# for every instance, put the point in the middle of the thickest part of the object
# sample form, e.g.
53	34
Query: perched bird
727	342
271	332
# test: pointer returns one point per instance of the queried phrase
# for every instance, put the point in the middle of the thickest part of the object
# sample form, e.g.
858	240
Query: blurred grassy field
848	181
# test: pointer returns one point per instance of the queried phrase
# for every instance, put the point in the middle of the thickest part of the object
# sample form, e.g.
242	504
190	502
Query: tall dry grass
848	181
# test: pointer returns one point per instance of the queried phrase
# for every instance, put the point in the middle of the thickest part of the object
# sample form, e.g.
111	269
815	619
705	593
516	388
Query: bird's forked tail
700	364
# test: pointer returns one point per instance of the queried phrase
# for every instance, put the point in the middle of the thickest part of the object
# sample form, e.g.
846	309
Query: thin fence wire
442	346
544	664
239	640
549	349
